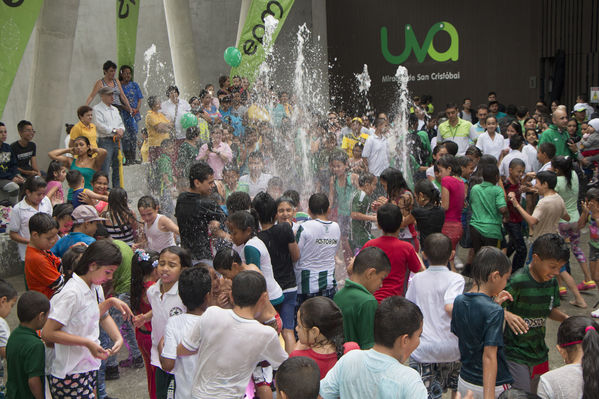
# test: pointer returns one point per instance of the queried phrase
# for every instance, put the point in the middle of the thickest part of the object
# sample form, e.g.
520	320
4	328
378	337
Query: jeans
126	329
516	244
112	159
129	141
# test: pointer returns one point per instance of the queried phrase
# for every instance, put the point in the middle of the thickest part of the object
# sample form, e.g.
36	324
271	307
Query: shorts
477	390
286	310
524	374
80	385
453	230
438	377
301	298
478	240
593	253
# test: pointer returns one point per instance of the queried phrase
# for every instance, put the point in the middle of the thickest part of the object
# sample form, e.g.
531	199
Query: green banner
251	40
17	19
127	13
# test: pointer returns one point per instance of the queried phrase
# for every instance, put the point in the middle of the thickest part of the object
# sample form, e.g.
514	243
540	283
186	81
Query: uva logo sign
412	45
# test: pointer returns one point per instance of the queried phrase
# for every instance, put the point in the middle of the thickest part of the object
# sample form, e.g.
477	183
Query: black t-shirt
429	220
23	154
277	240
194	212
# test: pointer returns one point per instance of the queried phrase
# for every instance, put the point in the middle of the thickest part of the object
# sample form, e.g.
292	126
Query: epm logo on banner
411	44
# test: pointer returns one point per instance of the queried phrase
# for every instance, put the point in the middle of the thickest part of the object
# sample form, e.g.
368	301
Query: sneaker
587	285
595	313
112	373
138	363
563	291
128	362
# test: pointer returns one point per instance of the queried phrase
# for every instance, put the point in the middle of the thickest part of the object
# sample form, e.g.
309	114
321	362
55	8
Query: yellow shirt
350	141
155	138
81	130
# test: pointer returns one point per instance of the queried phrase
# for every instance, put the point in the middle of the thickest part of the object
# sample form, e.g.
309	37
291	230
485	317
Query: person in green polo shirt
25	353
356	299
487	201
558	135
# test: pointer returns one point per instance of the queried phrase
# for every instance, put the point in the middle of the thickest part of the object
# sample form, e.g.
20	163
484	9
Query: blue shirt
234	121
477	321
133	94
75	198
371	375
68	241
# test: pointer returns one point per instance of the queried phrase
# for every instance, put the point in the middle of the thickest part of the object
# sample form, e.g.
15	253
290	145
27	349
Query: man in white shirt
110	129
376	148
516	144
230	343
174	108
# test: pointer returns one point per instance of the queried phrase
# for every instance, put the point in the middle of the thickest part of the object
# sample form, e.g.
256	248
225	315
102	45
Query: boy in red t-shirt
514	225
402	255
42	267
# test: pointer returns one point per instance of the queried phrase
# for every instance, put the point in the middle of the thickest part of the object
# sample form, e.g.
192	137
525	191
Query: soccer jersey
254	251
318	242
360	229
533	301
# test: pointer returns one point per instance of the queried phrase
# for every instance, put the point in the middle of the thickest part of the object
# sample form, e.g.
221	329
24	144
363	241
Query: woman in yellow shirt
84	127
158	127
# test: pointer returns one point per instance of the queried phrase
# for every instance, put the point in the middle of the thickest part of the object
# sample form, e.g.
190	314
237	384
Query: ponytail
590	361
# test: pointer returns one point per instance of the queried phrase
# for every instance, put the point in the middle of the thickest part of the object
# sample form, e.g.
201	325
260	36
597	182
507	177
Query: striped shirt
318	242
533	301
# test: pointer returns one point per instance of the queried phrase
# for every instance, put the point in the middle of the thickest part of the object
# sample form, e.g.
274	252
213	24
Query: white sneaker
595	313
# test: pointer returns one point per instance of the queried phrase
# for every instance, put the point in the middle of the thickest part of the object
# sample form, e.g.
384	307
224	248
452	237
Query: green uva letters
411	44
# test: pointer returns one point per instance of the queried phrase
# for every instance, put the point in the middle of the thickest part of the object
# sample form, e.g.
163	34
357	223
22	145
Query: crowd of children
362	296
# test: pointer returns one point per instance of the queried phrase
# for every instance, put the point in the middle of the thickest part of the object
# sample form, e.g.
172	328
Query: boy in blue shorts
477	321
535	294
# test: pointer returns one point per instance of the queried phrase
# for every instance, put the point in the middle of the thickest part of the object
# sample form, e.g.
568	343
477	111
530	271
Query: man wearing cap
580	114
581	102
558	135
230	118
85	218
354	136
110	129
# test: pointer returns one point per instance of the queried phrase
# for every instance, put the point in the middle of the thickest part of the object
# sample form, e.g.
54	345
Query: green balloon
232	56
188	120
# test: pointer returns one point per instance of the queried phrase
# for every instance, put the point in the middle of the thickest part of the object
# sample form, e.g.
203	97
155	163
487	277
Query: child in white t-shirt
318	240
437	358
194	290
230	342
165	302
8	298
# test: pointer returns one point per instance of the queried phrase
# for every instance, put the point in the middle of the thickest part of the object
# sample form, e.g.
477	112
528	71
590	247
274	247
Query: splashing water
398	137
364	85
148	54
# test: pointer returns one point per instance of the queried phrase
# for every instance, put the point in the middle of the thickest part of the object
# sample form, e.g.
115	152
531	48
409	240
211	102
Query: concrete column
49	87
178	24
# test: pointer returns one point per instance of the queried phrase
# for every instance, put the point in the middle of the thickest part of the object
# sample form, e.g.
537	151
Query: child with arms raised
535	295
379	372
477	321
225	373
356	300
320	329
25	350
437	358
194	290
